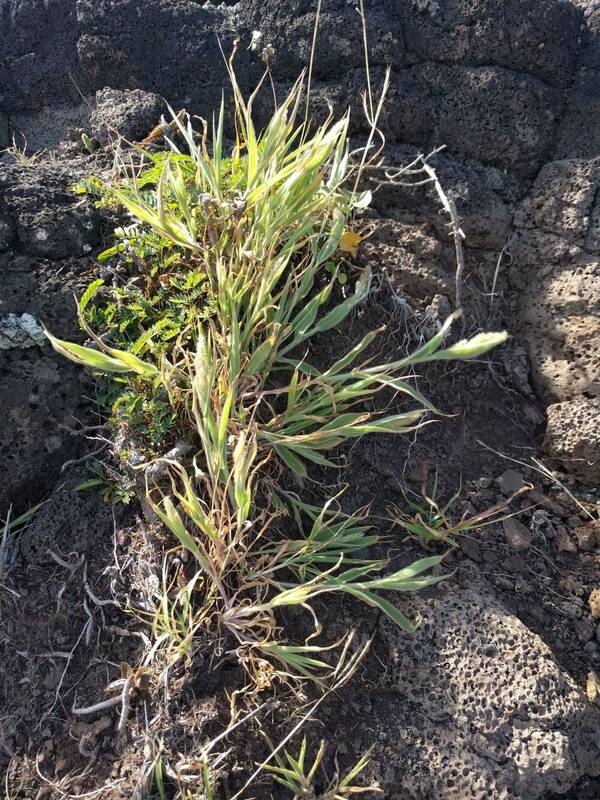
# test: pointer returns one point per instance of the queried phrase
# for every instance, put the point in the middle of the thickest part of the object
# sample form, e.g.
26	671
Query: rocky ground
494	696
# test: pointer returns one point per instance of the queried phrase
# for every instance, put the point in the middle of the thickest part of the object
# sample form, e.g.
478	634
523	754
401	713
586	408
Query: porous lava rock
558	266
42	214
46	229
573	437
483	709
131	113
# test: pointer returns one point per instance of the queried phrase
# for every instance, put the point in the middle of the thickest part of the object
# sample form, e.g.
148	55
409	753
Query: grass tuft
293	773
232	261
429	521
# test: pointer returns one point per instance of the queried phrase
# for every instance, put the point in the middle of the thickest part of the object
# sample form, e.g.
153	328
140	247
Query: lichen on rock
20	331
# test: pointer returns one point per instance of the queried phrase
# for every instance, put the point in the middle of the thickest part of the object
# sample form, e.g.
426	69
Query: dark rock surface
288	28
582	110
490	114
131	113
4	135
38	54
485	78
480	715
537	38
40	397
557	252
512	88
170	47
43	216
486	197
573	435
45	233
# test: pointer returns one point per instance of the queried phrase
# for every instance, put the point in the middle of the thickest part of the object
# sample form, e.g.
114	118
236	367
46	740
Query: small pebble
418	473
517	535
587	537
571	585
586	630
522	586
563	541
594	603
470	548
570	610
550	505
510	482
541	523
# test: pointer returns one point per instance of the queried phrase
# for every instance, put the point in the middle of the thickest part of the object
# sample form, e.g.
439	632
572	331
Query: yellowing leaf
349	242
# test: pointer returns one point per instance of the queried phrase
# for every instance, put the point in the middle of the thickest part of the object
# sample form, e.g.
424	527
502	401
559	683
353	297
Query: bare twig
117	631
89	625
455	229
71	566
125	705
418	166
96	600
76	461
504	252
102	706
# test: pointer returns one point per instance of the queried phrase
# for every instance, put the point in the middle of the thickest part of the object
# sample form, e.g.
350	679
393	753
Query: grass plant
232	265
294	773
429	521
252	232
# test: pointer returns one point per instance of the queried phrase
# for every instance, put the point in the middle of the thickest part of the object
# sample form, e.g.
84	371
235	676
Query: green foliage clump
232	263
239	253
293	773
111	486
429	521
